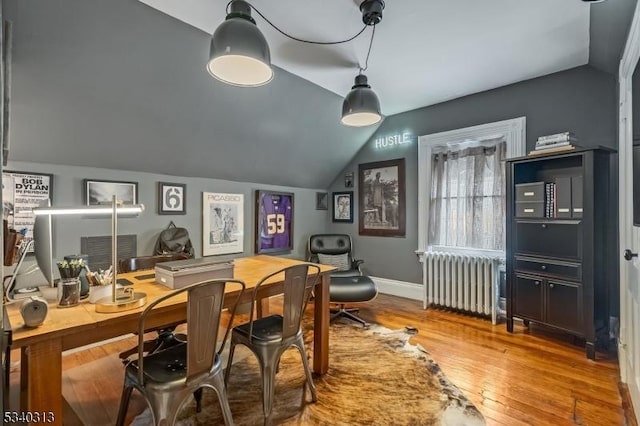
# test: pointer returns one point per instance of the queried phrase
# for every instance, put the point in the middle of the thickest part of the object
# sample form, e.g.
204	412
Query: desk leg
321	326
41	379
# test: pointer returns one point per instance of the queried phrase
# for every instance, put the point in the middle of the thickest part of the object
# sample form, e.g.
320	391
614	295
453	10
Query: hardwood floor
530	377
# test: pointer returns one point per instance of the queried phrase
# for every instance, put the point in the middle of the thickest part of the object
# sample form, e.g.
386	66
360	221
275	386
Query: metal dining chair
166	336
165	378
270	336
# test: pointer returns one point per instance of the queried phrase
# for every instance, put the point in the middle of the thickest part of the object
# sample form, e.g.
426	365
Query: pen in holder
69	285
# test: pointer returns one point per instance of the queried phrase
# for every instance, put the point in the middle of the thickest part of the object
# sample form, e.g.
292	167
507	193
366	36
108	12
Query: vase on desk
68	292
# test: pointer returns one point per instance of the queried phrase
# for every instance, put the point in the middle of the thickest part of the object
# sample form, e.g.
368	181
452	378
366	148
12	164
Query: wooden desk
68	328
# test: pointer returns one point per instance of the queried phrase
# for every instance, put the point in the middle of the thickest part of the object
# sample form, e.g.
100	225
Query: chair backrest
332	249
330	244
299	281
205	301
133	264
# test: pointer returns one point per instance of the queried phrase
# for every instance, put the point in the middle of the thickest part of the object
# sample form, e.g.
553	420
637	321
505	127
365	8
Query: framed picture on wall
22	192
381	206
274	221
172	198
343	206
100	192
322	201
222	223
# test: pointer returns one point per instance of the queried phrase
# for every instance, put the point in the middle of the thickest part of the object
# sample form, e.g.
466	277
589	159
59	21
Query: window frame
513	131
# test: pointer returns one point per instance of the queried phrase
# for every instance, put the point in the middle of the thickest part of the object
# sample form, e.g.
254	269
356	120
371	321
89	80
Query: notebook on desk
180	265
180	273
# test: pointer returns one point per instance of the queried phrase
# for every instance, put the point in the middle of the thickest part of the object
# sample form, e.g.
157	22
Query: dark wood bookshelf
558	267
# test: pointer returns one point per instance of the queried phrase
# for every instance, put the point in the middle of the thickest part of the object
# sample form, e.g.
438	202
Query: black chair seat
347	273
352	289
268	329
169	365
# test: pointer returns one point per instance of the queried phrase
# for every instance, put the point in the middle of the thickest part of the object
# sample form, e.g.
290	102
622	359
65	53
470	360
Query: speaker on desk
84	282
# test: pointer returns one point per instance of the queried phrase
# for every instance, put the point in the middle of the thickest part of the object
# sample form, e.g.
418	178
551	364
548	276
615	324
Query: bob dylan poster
21	192
222	223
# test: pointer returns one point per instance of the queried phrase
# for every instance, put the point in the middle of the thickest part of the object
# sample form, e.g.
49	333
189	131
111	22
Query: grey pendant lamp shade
361	106
239	52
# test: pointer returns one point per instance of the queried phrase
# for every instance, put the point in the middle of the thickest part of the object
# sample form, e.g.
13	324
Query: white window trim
514	132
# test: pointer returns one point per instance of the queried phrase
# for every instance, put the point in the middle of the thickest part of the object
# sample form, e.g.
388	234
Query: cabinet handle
536	282
543	267
628	254
551	286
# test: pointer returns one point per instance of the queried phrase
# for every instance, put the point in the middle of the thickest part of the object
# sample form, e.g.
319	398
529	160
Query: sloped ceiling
118	84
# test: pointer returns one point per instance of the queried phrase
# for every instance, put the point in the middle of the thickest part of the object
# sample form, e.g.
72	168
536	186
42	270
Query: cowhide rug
375	378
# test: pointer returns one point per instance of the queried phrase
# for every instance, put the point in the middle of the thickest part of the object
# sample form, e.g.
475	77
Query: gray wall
68	190
581	100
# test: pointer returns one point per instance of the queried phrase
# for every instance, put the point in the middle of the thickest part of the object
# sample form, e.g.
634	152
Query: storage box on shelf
558	252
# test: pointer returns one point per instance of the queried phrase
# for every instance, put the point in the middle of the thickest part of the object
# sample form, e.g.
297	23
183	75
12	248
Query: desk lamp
120	299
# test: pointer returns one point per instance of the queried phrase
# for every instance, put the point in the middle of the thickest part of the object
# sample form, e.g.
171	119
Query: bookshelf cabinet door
528	301
545	238
564	305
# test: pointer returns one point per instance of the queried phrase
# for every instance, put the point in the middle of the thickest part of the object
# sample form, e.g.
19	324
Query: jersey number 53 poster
274	221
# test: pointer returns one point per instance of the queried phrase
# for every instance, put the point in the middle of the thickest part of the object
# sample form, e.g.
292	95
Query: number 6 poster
274	221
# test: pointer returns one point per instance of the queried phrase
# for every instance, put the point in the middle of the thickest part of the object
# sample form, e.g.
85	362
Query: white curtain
467	207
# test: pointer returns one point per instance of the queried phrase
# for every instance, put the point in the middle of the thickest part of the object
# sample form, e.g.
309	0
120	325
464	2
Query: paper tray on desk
181	273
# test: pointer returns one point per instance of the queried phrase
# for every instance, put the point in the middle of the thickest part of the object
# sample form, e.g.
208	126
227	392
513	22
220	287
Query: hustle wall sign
392	141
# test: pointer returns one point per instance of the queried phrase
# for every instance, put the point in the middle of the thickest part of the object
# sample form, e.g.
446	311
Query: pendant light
240	56
361	106
239	52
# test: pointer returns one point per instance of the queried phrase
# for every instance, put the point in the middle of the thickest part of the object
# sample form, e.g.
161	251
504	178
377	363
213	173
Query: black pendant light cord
300	39
366	62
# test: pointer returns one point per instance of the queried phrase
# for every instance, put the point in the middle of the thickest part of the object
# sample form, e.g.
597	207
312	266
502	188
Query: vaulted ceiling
119	84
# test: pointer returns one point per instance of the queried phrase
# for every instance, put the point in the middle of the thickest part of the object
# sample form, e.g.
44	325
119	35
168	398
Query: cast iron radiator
462	282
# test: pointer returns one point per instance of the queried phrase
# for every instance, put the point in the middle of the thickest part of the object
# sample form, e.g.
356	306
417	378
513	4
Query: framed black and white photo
322	201
101	192
343	206
172	198
222	223
381	207
21	193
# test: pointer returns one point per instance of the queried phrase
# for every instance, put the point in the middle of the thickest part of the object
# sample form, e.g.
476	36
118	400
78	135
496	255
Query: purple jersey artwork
274	221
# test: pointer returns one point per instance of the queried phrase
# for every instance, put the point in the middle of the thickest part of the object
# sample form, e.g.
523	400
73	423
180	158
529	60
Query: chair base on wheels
342	311
347	290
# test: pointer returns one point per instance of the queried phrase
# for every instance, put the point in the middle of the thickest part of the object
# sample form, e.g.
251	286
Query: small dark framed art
348	180
274	221
343	206
322	201
172	198
101	192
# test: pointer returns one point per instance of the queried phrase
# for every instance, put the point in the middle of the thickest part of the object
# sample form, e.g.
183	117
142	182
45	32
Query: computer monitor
43	246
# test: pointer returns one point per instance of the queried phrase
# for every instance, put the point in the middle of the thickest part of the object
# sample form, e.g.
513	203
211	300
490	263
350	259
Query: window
467	204
461	185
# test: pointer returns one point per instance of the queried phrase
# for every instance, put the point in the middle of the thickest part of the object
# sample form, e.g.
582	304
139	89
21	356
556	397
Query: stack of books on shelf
557	142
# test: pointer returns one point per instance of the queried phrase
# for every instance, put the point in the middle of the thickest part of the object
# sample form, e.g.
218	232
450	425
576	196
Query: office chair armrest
355	263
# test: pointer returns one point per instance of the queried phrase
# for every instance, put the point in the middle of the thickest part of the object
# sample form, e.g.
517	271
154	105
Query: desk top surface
83	318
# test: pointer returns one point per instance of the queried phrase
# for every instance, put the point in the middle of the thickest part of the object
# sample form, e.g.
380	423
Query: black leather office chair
348	283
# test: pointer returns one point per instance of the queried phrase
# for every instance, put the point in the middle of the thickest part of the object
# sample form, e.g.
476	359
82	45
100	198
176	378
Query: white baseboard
399	288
